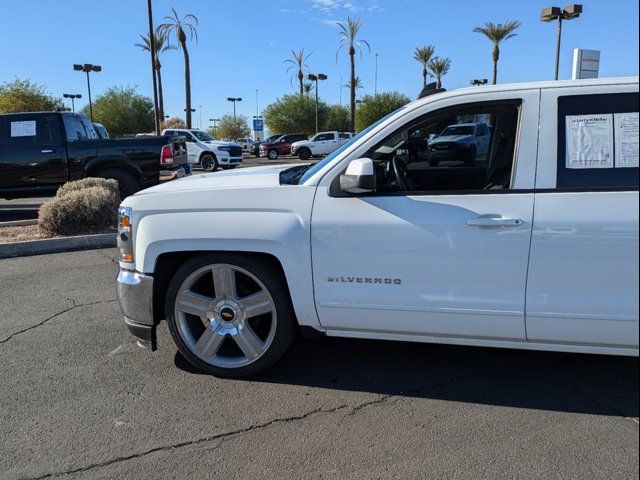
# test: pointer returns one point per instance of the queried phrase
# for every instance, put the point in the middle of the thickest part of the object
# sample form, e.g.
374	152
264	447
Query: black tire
275	283
272	154
208	162
127	183
304	154
470	157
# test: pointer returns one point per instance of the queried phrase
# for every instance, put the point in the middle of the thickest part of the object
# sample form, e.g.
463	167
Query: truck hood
218	143
268	176
449	138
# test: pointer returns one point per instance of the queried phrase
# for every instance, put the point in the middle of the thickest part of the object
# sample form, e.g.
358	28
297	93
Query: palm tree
497	33
308	88
297	64
348	34
424	55
161	44
439	67
357	82
178	26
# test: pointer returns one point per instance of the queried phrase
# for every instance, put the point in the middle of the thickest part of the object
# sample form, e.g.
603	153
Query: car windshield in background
329	158
203	136
456	130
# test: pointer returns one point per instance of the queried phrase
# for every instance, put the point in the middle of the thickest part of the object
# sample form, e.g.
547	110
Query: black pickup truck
41	151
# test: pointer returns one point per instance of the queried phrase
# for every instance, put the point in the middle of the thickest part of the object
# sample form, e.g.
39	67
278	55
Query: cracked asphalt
78	398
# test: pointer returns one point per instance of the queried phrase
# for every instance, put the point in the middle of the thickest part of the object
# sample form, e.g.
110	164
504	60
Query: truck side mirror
359	177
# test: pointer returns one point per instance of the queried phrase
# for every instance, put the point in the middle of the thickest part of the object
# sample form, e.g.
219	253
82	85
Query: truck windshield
203	136
329	158
456	130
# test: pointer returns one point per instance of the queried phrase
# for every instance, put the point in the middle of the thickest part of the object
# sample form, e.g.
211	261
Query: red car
281	146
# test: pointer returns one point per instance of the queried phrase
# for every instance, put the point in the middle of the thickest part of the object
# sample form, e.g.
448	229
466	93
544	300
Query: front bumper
135	298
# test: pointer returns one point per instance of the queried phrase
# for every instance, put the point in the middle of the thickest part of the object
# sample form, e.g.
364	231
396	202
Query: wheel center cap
227	314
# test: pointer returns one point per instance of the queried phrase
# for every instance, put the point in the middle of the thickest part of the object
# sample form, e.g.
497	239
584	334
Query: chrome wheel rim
273	155
225	315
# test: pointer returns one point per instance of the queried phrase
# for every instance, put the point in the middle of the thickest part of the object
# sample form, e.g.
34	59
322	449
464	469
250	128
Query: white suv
322	143
206	151
532	246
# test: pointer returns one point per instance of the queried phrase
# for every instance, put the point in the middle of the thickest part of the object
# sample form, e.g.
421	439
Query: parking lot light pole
550	14
479	81
87	67
72	96
315	78
234	100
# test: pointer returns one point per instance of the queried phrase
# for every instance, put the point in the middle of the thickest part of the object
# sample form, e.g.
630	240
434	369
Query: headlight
224	149
125	234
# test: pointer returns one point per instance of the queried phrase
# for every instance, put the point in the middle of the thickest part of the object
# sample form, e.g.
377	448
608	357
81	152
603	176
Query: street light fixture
550	14
234	100
72	96
87	67
314	78
479	81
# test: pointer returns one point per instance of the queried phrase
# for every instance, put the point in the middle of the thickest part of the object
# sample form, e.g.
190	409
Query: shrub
76	185
87	210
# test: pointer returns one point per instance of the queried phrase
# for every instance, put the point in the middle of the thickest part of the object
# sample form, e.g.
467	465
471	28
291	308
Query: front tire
304	154
209	162
273	154
229	314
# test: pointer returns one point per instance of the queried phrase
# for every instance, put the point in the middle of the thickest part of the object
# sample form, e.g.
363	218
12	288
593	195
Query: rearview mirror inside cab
359	177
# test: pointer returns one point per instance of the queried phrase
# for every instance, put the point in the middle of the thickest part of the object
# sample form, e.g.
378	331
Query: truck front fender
283	234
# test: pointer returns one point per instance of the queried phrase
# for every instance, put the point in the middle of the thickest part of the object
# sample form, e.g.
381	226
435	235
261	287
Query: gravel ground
80	399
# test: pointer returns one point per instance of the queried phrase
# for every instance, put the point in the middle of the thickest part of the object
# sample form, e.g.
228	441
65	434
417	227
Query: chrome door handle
494	221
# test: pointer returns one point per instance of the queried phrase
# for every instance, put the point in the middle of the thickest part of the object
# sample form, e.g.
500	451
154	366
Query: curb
19	223
55	245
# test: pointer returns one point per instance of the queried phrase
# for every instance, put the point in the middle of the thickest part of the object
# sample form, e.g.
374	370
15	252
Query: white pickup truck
322	143
207	152
533	247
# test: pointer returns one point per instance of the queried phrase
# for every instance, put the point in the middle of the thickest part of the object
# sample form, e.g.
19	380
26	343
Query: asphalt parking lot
79	398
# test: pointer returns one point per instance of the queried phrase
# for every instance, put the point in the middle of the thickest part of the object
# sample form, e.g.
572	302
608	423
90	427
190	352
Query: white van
207	152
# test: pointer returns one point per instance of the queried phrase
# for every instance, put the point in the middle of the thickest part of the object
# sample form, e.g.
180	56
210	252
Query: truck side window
574	168
75	128
463	148
46	131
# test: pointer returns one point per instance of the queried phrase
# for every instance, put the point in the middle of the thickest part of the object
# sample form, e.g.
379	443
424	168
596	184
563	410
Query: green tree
294	114
161	44
374	107
231	128
424	55
297	64
497	33
26	96
123	111
348	37
177	26
337	118
307	88
439	67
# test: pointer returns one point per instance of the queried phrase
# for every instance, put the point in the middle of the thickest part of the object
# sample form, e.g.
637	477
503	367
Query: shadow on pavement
591	384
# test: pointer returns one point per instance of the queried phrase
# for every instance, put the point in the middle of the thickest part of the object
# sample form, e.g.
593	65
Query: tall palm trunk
438	82
496	57
300	79
160	94
187	82
352	93
424	76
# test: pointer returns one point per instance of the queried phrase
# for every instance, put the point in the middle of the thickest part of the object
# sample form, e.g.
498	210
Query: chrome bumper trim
135	296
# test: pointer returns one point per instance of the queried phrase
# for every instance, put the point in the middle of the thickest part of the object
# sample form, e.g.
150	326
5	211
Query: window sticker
589	141
23	129
626	132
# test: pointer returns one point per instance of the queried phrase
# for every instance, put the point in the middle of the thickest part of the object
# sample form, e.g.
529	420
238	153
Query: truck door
33	154
583	272
445	255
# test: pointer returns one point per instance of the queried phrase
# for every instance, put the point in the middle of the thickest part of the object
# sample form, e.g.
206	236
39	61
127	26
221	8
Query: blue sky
242	45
